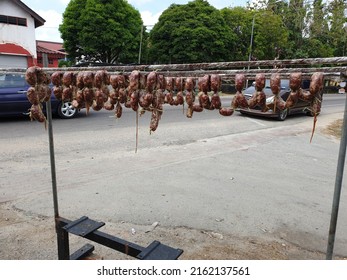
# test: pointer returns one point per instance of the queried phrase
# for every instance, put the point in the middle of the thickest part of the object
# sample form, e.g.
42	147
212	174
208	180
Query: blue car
13	100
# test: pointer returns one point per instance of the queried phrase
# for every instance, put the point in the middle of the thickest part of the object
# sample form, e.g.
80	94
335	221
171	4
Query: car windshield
12	80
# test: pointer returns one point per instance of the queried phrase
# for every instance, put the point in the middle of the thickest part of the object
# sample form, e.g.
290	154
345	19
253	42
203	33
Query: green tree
317	43
269	33
318	23
295	22
239	21
103	30
191	33
338	29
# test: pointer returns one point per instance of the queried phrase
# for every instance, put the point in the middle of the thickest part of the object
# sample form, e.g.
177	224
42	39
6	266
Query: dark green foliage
239	20
195	32
101	30
338	31
269	34
110	31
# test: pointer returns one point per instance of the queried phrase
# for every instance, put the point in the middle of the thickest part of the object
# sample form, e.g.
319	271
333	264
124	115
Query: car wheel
283	115
66	110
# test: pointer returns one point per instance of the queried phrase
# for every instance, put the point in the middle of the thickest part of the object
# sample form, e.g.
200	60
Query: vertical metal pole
250	47
338	184
251	42
52	158
62	235
140	50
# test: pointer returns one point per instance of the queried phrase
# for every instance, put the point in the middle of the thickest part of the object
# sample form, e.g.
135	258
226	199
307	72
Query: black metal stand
89	229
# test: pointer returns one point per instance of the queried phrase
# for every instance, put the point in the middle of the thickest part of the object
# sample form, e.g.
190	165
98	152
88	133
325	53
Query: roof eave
39	21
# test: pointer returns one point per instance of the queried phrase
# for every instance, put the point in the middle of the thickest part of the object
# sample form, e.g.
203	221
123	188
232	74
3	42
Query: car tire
65	110
283	115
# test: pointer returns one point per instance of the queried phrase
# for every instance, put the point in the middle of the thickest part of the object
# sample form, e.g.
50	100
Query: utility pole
140	50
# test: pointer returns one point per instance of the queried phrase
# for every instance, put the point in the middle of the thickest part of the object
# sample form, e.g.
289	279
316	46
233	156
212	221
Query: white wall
20	35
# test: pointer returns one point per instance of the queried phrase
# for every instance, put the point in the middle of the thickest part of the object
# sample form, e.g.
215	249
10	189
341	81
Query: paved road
238	175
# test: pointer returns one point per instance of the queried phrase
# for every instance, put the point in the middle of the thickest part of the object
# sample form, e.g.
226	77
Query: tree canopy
104	30
191	33
269	34
112	31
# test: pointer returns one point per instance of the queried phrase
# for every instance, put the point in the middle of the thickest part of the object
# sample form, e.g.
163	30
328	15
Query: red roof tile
50	45
59	54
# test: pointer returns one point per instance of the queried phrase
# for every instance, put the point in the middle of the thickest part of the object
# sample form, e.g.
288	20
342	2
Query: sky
150	10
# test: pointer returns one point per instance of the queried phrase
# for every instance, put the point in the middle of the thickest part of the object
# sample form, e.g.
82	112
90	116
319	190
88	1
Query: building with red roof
18	46
54	52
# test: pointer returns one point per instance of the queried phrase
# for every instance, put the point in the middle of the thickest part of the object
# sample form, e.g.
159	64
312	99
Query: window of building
13	20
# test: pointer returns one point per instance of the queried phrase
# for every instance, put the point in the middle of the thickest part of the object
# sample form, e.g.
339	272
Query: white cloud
219	4
65	2
49	31
149	18
138	2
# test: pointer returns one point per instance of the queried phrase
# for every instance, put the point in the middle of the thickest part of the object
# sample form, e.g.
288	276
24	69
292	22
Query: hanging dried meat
239	100
259	98
179	87
204	88
316	87
295	80
170	87
190	96
151	91
38	92
101	91
275	84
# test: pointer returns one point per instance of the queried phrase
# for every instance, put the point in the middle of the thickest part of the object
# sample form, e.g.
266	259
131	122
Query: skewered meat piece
239	100
157	103
216	103
42	77
101	92
316	87
31	75
67	94
204	88
36	113
216	83
146	98
56	78
142	91
159	98
118	84
275	84
295	80
33	96
134	90
179	100
190	96
170	86
259	98
228	111
98	102
88	90
44	92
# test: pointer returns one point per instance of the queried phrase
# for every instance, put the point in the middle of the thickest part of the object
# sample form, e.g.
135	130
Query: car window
12	80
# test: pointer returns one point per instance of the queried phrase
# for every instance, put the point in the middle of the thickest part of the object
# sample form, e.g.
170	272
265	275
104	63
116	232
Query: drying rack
87	228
